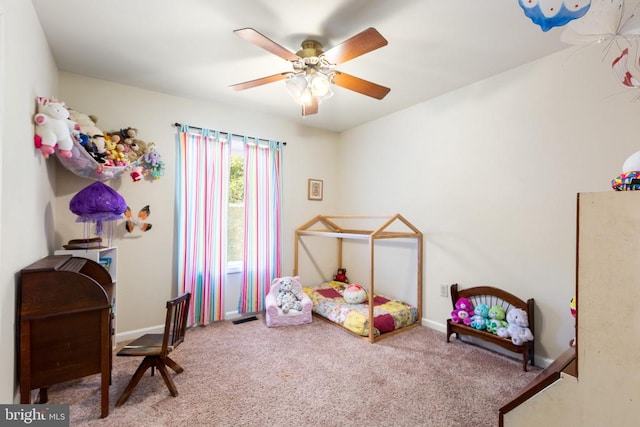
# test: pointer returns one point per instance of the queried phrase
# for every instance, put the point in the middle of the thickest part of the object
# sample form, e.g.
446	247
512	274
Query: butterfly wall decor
139	222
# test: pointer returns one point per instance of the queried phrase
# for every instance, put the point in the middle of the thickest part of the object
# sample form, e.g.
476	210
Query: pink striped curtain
262	233
202	198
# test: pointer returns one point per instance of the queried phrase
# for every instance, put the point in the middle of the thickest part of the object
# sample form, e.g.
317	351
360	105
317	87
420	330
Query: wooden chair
155	348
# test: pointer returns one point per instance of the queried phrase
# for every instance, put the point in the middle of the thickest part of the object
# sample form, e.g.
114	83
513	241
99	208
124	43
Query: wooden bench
493	296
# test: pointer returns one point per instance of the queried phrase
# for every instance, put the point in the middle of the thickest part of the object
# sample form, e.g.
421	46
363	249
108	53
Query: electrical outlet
444	291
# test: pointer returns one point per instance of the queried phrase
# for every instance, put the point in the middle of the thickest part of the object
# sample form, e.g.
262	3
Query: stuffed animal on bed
518	329
354	294
463	311
289	297
341	276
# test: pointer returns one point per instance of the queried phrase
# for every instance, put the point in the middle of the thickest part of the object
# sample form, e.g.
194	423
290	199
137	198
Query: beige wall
490	174
27	180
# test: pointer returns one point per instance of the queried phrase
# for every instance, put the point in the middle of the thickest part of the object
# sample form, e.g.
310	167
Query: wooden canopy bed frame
327	226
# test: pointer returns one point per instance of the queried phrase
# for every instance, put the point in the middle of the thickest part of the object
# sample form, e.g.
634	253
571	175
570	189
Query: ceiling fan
314	69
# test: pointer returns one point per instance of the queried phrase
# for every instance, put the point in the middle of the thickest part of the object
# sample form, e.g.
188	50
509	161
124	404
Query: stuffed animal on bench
463	311
518	329
289	297
496	319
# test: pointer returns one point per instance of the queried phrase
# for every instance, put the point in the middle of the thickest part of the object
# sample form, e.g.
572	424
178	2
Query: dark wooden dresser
64	320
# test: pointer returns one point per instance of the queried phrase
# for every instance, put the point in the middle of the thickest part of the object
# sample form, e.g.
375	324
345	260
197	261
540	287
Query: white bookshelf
97	255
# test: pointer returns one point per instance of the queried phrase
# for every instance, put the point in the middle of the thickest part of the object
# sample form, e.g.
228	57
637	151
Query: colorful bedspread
388	314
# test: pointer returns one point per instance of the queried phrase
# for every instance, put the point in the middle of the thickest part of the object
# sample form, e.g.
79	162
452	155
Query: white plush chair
274	315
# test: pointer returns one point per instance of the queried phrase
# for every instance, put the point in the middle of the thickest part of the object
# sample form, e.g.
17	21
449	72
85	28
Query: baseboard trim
440	327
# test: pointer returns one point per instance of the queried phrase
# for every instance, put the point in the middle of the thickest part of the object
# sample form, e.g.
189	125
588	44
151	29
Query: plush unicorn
53	128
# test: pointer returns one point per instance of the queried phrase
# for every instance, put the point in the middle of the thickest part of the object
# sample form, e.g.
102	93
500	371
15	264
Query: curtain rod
176	124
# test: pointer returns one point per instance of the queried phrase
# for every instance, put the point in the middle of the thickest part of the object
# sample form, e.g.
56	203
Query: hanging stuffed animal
92	135
53	128
154	166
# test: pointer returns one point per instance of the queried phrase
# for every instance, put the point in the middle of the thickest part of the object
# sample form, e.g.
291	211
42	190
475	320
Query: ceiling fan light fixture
319	84
314	70
306	97
302	87
296	84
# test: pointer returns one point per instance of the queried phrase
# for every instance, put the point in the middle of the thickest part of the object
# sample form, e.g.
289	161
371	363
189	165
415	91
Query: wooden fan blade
359	85
260	81
366	41
311	108
266	43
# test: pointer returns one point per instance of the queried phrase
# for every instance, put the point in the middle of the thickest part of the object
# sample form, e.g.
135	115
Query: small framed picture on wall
314	189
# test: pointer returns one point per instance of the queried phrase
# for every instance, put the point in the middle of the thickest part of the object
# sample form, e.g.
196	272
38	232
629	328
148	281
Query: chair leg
135	379
167	378
173	365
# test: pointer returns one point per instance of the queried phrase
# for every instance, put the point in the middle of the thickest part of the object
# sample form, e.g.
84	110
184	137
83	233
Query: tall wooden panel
604	390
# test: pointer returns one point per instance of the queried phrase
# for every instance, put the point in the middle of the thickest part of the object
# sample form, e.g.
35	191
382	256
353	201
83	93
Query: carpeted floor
313	375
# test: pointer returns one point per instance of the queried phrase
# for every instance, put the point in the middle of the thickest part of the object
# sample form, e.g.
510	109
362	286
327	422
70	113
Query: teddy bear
463	311
289	297
482	310
478	322
123	139
137	149
518	329
496	319
341	276
86	122
92	135
480	317
496	312
53	127
123	136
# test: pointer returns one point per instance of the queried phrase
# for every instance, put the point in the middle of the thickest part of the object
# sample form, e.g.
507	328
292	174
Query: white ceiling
187	48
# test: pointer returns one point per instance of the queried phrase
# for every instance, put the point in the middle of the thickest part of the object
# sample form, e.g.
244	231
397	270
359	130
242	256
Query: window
236	210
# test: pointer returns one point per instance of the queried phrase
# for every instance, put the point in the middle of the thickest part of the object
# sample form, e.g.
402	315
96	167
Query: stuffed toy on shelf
53	128
496	319
480	317
518	329
463	311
